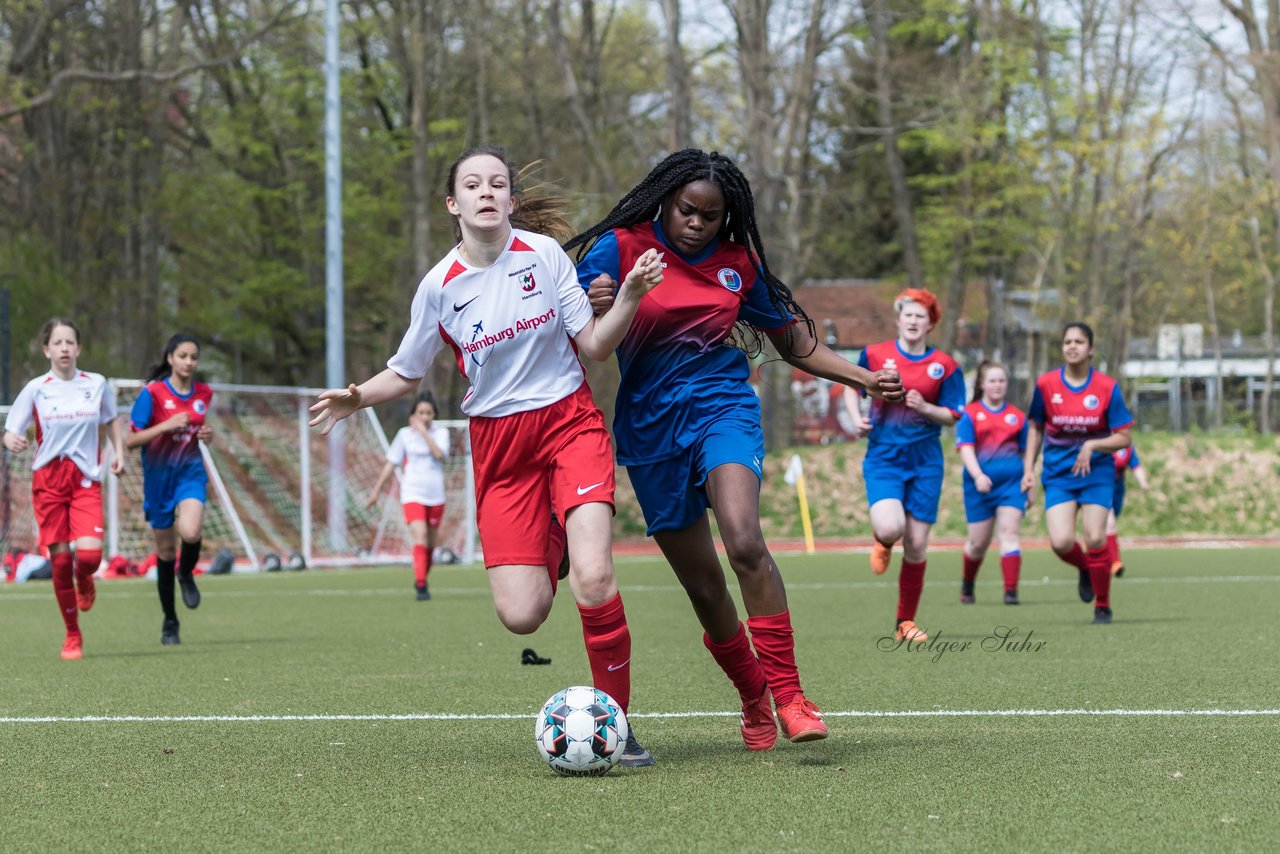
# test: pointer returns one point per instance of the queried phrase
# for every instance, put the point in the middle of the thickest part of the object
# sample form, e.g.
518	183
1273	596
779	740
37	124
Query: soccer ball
581	732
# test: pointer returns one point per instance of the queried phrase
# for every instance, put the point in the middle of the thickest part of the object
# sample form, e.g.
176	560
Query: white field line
937	713
148	592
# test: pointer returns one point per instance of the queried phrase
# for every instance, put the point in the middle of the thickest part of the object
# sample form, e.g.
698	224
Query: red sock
87	562
1011	568
1075	557
557	543
421	565
971	566
775	645
739	663
64	589
910	586
1099	562
604	627
1113	548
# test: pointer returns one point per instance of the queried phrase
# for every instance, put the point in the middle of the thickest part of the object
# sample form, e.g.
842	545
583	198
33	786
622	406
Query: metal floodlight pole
335	355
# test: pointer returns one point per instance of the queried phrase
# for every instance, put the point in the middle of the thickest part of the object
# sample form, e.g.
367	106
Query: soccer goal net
278	490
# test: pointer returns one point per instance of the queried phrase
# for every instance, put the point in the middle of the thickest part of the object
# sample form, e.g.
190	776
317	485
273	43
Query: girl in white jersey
420	450
71	409
506	302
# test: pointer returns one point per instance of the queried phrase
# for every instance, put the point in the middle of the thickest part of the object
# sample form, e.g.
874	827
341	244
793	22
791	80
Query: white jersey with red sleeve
66	415
422	478
510	326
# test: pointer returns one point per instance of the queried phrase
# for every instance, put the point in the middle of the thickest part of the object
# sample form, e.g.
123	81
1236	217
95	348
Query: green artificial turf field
270	665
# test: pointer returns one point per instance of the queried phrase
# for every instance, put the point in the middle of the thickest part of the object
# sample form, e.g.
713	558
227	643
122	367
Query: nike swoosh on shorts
583	490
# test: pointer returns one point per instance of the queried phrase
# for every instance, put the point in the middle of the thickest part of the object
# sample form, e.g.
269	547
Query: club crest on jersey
1091	401
198	407
1010	419
935	371
526	282
730	279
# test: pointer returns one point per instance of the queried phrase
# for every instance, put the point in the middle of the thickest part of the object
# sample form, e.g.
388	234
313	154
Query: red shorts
429	513
67	504
531	464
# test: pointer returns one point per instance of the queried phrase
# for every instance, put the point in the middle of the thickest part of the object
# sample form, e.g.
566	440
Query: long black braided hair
644	202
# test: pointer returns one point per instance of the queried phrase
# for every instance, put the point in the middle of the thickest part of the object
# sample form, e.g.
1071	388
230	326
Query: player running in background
506	302
420	451
1125	459
688	423
71	410
991	438
1082	418
903	465
168	422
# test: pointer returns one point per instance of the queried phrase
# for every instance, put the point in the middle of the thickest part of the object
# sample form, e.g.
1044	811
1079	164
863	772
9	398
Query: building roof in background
860	311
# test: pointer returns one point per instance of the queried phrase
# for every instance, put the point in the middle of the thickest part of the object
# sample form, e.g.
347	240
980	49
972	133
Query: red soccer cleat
86	593
801	720
910	632
880	555
759	729
72	648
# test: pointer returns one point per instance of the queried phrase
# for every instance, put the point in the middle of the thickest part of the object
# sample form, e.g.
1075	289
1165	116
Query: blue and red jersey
170	458
1072	415
678	373
998	438
1125	459
933	373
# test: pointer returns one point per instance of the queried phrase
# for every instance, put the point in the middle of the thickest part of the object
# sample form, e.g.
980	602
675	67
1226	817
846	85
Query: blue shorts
160	510
911	474
1097	487
1117	497
979	507
672	492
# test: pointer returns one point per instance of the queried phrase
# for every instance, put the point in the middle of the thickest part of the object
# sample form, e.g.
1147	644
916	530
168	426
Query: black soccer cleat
190	593
634	755
966	593
1085	587
423	593
1101	616
169	633
1011	597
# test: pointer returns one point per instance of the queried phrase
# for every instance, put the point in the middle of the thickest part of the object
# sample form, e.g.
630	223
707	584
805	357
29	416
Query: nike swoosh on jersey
583	490
457	307
614	667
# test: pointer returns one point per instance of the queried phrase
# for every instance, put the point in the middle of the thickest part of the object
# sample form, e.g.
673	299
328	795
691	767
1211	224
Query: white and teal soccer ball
581	732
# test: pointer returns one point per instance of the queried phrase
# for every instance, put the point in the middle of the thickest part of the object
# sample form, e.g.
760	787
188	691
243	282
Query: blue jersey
933	373
678	373
998	437
1071	415
170	461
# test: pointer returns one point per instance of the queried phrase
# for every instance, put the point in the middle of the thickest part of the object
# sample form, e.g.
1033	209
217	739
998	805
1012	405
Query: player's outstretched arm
821	361
601	336
337	403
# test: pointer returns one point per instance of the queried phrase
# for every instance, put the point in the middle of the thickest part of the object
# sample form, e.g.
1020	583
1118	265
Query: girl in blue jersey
687	422
168	423
991	437
1126	459
903	465
1082	418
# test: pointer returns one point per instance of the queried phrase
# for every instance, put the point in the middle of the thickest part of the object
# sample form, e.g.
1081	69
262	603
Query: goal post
269	481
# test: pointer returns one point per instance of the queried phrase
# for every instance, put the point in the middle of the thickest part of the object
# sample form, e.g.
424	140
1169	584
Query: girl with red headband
903	465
